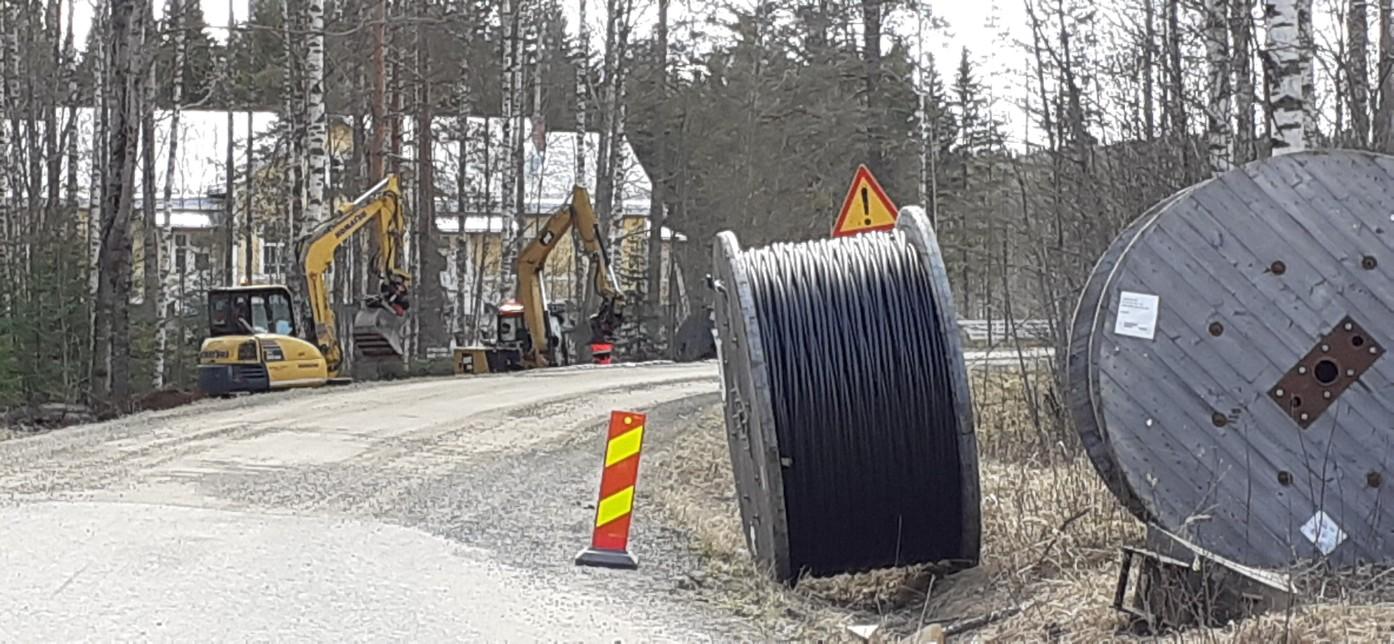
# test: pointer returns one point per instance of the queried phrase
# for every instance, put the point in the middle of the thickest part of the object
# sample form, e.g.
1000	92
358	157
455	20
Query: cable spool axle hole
1327	372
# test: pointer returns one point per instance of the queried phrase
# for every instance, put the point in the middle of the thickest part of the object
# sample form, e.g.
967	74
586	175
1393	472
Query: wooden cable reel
1226	362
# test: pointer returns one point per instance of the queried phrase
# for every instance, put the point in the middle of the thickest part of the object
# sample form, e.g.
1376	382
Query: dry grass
1051	538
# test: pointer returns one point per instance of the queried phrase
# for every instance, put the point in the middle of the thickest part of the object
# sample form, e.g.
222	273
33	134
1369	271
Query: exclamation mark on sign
866	207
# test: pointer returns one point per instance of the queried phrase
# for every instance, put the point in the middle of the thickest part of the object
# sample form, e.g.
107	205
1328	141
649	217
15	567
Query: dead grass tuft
1051	539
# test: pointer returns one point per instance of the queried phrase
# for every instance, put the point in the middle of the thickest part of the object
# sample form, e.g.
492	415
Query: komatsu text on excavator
255	342
527	334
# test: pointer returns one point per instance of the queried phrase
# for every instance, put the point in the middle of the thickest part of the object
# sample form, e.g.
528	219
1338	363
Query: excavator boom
377	325
541	344
580	217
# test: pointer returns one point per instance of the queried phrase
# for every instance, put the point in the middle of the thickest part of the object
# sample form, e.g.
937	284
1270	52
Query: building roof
549	170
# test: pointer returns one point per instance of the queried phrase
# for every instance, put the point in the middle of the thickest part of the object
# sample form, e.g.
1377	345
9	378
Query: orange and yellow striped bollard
610	541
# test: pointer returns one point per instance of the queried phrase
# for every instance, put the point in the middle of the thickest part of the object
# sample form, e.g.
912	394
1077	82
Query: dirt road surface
427	510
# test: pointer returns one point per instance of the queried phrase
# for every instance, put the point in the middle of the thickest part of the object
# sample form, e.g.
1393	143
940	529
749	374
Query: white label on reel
1323	532
1137	315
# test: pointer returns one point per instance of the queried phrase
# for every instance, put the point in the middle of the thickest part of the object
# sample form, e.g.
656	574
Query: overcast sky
967	21
969	24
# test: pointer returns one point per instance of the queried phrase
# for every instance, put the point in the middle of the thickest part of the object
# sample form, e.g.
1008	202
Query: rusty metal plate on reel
1336	363
1200	313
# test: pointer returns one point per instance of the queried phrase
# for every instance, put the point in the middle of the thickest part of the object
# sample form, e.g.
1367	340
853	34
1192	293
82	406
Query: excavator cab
253	343
250	309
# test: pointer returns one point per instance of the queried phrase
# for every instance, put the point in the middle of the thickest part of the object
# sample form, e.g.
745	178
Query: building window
185	249
272	257
181	250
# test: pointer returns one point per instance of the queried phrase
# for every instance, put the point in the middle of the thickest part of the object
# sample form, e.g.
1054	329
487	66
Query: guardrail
983	331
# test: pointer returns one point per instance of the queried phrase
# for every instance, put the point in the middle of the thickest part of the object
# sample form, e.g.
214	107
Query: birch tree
1176	80
111	359
229	206
150	221
1307	45
377	148
658	173
1217	113
1384	110
1242	26
582	62
513	224
7	243
317	122
101	25
1287	98
433	327
1358	70
174	11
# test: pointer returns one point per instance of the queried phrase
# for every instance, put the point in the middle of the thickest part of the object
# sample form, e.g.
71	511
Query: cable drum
1226	365
847	402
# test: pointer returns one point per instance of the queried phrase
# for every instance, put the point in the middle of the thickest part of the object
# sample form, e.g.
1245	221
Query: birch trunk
54	159
229	170
433	331
317	124
1358	70
6	214
512	219
1384	111
1176	86
582	68
1307	45
872	15
1286	77
379	95
111	360
653	287
1241	13
97	185
248	196
1149	55
150	224
464	250
1217	112
175	9
604	174
578	262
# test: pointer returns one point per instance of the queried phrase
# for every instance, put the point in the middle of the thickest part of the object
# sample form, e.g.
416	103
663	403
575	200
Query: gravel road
445	509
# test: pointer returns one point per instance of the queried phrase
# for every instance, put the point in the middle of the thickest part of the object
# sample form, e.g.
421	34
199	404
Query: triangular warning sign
866	207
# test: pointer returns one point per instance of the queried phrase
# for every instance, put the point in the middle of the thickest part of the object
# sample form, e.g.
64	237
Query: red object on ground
610	541
600	352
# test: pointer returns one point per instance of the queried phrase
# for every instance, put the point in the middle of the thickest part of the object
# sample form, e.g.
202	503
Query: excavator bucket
378	332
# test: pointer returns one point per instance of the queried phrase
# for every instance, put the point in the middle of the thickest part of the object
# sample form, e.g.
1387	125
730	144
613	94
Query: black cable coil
867	395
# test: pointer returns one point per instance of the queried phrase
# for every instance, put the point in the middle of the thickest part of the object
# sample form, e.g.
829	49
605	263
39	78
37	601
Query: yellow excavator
527	333
254	341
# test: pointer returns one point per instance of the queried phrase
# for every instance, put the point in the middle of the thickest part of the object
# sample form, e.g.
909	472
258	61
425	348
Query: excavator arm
579	215
379	210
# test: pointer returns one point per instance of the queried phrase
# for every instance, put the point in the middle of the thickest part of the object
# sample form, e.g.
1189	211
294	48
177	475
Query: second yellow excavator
254	341
527	334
